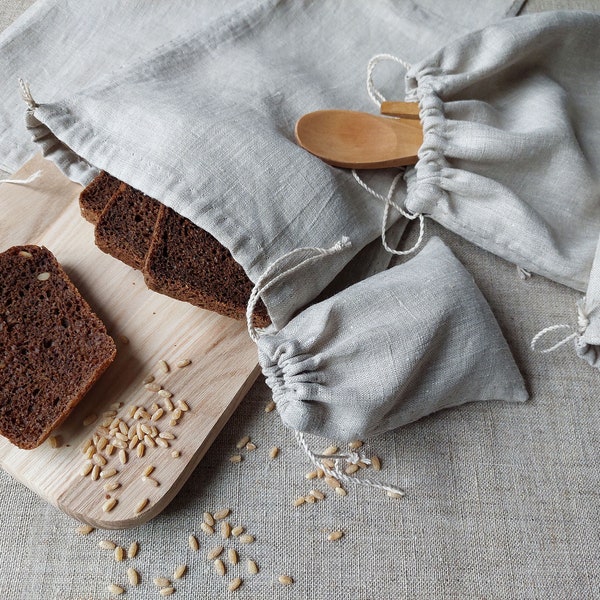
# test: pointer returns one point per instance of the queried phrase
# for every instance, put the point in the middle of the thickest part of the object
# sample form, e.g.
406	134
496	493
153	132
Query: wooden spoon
358	140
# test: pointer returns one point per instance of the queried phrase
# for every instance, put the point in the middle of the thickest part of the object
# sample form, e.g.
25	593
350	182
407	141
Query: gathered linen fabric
393	348
204	123
511	152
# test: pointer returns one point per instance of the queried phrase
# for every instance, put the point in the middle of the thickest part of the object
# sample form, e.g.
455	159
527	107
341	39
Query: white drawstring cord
373	92
26	95
582	323
352	458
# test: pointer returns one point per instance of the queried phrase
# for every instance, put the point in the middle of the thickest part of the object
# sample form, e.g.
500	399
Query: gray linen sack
511	151
389	350
204	122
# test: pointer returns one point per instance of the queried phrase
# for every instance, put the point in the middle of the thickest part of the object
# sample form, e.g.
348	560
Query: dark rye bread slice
126	226
187	263
96	195
52	346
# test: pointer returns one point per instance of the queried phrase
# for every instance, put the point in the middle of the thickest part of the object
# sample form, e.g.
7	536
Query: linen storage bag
204	124
388	350
511	152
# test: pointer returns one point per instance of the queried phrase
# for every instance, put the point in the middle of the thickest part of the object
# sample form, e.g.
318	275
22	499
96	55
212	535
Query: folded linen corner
389	350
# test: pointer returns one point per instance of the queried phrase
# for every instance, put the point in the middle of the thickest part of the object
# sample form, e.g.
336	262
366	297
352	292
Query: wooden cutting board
147	327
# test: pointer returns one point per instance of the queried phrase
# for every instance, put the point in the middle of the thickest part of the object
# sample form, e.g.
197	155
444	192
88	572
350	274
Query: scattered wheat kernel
395	494
311	475
123	339
119	554
123	456
340	491
177	413
157	414
163	366
351	469
330	450
180	571
208	518
152	386
165	394
132	410
355	445
376	463
335	535
133	550
241	443
207	529
107	545
151	481
91	418
135	440
121	436
285	580
168	591
183	405
270	407
109	449
330	464
115	422
133	575
318	494
225	529
144	414
149	441
361	464
161	581
117	590
175	454
148	379
220	567
332	482
115	405
250	446
168	404
214	553
232	555
274	452
141	449
310	499
104	424
153	431
102	443
109	505
88	444
166	435
95	473
84	529
123	428
183	363
246	538
236	458
55	441
148	470
120	444
86	469
25	254
193	542
141	505
106	473
111	486
44	276
145	429
234	584
173	422
252	567
320	473
221	514
161	442
237	531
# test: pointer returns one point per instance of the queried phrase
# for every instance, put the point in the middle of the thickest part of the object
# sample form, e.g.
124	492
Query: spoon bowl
358	140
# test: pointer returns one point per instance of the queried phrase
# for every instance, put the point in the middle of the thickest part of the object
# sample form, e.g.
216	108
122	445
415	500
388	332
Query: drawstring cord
582	324
377	97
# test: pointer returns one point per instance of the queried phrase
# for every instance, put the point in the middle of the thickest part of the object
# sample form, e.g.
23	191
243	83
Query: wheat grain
117	590
234	584
220	567
141	505
251	567
214	553
193	542
335	535
133	576
180	571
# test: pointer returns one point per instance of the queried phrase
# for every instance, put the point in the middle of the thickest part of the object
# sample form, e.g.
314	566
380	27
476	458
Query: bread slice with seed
187	263
54	347
126	226
96	195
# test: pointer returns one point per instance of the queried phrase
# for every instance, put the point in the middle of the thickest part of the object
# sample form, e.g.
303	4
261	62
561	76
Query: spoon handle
407	110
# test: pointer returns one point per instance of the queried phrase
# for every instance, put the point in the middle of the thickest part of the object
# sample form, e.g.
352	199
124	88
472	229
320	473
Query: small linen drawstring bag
511	152
386	351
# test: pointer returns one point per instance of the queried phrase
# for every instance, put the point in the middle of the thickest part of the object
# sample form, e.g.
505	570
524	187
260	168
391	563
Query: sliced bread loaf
52	346
96	195
189	264
126	226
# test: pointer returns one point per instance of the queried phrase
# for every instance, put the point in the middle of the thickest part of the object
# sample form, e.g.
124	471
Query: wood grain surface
148	328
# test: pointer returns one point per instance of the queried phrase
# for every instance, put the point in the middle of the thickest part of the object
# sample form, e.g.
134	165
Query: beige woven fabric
502	500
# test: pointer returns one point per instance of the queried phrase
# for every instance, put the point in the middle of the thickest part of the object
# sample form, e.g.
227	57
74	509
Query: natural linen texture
389	350
511	151
204	123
